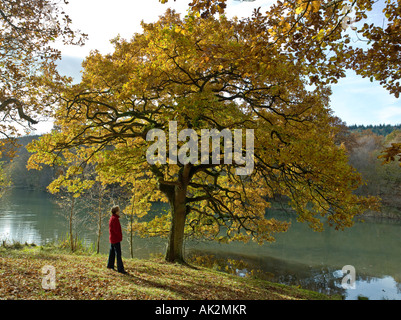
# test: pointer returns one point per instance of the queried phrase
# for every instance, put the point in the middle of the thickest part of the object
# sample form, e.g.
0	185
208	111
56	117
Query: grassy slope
86	277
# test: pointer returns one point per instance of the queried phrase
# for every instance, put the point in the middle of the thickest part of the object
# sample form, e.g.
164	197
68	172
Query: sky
355	100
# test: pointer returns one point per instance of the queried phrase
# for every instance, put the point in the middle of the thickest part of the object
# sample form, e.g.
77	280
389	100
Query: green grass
85	276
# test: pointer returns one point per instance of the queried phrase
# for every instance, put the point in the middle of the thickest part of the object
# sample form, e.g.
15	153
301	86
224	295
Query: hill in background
381	130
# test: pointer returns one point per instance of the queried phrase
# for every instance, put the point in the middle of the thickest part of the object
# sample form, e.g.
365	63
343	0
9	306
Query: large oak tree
205	72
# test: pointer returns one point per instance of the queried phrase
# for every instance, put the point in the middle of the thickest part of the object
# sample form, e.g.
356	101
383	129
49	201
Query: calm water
299	257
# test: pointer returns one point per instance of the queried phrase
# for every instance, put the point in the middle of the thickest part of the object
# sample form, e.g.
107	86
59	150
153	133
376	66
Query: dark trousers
115	250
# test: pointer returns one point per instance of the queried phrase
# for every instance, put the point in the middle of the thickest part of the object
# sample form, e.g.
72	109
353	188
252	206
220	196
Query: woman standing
115	238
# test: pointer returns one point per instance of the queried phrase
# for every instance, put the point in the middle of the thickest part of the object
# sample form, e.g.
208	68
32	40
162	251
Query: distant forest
363	144
19	175
381	130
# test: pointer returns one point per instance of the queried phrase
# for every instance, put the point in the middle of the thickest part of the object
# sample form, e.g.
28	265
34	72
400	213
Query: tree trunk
71	218
131	220
176	195
176	237
99	223
131	236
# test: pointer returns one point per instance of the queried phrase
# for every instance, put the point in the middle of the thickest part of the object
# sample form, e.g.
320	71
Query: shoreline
81	276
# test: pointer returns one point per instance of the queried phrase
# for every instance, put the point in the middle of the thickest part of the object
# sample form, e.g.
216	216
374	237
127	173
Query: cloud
356	100
70	66
390	114
103	20
243	9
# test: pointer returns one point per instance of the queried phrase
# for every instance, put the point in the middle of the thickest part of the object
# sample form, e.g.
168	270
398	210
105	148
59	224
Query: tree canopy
268	73
27	59
316	31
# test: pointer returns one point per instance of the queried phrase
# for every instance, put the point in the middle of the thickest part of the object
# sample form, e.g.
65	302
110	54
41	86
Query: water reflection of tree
6	200
319	279
323	279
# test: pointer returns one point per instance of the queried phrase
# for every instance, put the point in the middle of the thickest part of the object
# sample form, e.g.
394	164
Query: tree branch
20	110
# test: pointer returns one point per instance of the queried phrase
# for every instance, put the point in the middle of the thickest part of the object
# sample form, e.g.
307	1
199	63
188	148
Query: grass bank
85	277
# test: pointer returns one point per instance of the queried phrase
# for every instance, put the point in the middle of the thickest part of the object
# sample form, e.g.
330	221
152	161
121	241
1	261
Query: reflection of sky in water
28	216
385	288
21	227
375	289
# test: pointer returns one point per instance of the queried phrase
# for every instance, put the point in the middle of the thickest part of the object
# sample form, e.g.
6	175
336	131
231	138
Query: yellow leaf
299	10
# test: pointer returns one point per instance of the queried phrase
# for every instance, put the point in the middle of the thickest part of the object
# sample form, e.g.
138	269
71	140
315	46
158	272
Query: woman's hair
115	209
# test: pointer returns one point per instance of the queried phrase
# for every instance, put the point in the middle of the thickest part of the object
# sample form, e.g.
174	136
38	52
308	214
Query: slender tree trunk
71	217
131	245
131	234
99	224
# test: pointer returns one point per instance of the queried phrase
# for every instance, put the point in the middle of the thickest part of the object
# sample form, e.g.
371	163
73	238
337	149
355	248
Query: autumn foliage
268	73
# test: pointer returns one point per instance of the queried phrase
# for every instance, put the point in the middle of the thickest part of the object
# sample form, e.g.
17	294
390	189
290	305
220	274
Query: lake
302	257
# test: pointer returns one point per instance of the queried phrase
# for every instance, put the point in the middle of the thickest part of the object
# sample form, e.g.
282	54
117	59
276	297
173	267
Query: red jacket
115	234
